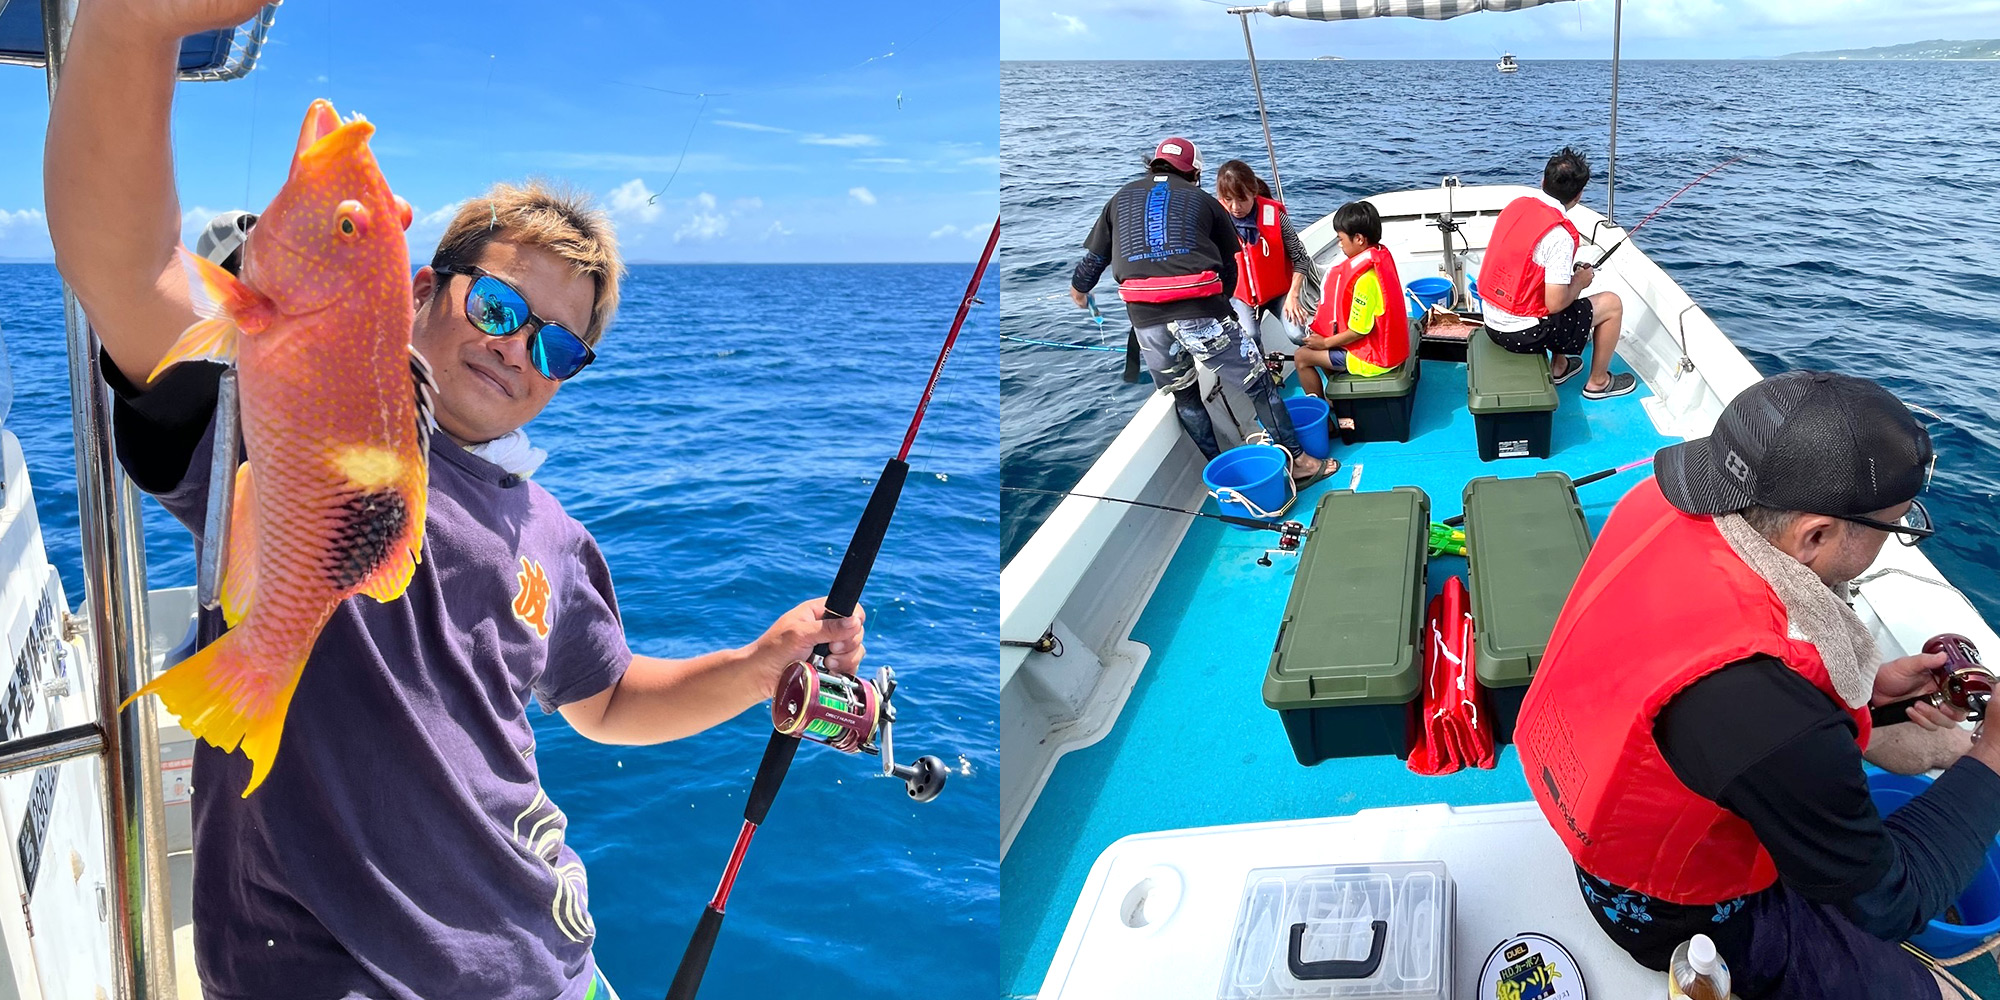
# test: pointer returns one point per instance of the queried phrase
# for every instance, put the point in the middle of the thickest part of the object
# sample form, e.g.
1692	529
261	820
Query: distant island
1937	48
1329	58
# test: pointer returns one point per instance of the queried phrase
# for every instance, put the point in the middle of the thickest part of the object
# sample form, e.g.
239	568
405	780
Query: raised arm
108	171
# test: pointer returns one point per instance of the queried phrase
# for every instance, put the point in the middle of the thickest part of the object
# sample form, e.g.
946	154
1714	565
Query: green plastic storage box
1525	542
1511	398
1346	676
1379	405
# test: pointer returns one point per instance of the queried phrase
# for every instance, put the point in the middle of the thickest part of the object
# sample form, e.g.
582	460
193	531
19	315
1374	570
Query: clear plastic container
1697	972
1378	931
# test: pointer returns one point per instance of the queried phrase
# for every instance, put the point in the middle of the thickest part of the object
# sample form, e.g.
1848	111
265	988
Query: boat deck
1195	744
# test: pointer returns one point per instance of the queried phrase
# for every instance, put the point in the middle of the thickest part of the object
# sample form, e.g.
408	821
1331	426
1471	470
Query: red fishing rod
1663	205
841	711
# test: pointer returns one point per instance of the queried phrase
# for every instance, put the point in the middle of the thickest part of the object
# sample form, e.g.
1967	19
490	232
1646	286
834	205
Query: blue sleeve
587	648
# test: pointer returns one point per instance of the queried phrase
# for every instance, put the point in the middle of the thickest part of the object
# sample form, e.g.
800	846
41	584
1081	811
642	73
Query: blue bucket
1428	292
1258	473
1472	288
1978	905
1310	421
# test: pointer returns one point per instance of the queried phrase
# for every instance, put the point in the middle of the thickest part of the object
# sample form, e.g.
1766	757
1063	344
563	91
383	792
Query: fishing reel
848	713
1291	534
1963	681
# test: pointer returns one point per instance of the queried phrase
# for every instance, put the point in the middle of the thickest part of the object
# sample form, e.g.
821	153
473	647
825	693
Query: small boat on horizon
1507	63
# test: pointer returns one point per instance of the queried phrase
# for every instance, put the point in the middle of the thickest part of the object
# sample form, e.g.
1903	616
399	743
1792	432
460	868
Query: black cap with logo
1817	442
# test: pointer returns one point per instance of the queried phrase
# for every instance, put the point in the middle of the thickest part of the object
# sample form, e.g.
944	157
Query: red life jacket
1263	272
1388	344
1662	601
1508	276
1170	288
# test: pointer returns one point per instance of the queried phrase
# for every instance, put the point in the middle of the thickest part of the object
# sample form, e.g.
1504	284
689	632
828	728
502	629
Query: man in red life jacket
1172	249
1533	284
1695	731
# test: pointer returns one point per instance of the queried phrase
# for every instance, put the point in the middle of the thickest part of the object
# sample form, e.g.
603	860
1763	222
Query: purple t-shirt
402	845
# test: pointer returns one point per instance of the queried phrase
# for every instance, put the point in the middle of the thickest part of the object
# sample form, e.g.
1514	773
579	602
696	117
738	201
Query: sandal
1575	365
1620	384
1327	467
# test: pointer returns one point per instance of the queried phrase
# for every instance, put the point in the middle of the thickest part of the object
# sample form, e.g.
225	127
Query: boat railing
114	572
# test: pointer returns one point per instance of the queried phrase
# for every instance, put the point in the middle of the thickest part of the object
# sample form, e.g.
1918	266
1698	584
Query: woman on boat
1273	267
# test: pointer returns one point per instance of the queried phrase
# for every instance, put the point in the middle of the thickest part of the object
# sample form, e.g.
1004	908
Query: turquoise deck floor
1195	745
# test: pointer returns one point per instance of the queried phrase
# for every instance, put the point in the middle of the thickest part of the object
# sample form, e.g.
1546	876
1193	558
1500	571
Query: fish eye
350	219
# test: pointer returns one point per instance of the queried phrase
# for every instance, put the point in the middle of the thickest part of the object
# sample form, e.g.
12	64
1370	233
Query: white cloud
862	195
24	217
750	204
777	229
981	161
1070	25
705	224
751	126
633	200
442	216
844	139
945	230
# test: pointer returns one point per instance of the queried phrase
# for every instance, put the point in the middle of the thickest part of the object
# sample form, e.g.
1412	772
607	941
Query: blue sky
1653	29
804	155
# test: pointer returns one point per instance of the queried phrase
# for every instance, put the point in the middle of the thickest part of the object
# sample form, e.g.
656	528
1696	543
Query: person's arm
657	699
1764	743
1096	257
1302	271
1222	229
108	172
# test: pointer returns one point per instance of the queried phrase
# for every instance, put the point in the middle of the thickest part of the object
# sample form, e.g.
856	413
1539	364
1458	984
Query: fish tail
224	697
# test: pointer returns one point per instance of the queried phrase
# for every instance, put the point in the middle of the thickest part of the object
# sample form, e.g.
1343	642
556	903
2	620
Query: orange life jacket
1263	271
1508	275
1662	601
1388	344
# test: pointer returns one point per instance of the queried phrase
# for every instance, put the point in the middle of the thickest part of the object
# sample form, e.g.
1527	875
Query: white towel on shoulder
511	451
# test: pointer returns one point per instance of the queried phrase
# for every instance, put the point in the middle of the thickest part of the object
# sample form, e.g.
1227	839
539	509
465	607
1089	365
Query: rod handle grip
694	963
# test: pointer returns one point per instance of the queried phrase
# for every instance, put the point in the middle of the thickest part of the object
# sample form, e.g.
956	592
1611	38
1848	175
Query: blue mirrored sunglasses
498	309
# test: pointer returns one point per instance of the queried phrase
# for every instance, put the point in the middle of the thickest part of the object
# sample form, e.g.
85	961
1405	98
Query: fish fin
426	389
321	120
393	577
239	572
207	340
216	294
224	696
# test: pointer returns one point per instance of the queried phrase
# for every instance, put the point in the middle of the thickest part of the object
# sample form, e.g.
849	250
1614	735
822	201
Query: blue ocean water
721	450
1855	235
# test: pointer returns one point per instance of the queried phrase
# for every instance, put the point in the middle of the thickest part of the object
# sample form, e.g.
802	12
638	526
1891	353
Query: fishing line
1281	527
1051	343
684	151
1662	207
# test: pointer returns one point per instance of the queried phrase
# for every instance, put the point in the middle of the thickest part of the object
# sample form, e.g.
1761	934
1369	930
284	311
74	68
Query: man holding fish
409	589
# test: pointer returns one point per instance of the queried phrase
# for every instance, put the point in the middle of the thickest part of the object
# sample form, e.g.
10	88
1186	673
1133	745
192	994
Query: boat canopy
223	54
1354	10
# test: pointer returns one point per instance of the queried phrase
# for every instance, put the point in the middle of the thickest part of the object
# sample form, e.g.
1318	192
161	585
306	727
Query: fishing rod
839	710
1458	520
1291	529
1656	211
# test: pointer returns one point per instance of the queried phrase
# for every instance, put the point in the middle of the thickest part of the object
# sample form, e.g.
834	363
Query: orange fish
336	423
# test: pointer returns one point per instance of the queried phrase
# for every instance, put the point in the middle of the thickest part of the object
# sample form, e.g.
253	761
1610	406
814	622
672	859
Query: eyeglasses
1913	527
498	309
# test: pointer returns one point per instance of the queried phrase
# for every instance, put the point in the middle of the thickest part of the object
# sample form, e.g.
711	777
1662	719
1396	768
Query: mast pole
1277	186
1611	171
114	574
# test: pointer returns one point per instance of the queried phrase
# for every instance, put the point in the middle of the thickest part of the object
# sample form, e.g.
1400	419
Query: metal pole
30	752
1277	186
1611	172
114	574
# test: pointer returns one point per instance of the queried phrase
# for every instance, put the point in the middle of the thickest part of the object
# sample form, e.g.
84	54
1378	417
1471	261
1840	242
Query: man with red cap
1172	249
1695	731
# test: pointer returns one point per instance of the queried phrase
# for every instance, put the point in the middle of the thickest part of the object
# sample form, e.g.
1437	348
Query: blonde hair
556	218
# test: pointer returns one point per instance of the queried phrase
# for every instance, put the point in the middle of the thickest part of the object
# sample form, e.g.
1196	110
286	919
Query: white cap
1701	955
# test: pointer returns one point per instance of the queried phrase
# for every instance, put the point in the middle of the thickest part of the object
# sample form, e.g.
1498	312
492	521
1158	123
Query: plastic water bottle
1697	972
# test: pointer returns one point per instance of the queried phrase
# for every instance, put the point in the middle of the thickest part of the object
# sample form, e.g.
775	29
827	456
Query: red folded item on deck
1452	732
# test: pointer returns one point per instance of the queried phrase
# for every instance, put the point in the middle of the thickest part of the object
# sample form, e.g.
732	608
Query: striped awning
1350	10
